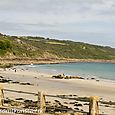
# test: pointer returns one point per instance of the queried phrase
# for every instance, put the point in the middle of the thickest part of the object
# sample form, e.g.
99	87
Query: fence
41	105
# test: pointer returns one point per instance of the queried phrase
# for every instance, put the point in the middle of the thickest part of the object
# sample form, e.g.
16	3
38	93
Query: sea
86	70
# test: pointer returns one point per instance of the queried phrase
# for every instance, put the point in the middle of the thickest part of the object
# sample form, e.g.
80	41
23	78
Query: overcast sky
91	21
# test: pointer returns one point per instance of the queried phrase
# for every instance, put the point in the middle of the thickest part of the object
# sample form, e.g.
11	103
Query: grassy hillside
39	47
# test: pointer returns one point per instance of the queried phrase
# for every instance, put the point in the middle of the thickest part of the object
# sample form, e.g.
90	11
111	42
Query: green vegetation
39	47
6	65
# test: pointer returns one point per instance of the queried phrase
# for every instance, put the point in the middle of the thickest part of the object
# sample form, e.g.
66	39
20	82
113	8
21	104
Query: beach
51	86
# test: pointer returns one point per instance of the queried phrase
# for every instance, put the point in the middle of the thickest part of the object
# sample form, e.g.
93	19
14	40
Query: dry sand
44	82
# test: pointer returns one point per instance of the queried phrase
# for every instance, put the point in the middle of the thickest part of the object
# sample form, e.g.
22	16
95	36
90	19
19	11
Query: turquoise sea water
97	70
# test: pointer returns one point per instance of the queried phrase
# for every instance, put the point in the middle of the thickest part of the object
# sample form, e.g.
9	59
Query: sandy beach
44	82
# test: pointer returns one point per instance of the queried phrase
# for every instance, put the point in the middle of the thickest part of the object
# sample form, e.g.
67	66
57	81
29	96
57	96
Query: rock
97	80
76	108
16	82
4	80
7	101
27	101
65	102
78	104
1	77
92	78
26	84
19	99
30	104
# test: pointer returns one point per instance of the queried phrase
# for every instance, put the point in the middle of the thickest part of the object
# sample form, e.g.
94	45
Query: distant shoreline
25	61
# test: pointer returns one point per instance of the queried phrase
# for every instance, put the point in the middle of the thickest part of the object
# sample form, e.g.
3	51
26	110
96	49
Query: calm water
97	70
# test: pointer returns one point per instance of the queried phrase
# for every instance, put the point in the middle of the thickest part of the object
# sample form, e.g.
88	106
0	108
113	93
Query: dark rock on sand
78	104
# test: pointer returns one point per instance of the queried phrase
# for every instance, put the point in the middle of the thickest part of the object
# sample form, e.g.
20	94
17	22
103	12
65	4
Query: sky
90	21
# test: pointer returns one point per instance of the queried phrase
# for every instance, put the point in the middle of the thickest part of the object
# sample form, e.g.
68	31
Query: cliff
34	49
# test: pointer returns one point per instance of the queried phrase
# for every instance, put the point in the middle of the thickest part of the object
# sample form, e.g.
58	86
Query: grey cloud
56	8
58	18
55	11
53	6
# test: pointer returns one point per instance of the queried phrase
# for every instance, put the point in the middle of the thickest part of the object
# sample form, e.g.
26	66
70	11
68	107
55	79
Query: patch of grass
40	47
58	43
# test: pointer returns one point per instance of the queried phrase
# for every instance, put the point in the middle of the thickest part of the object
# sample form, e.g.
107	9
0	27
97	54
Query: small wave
31	65
54	70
